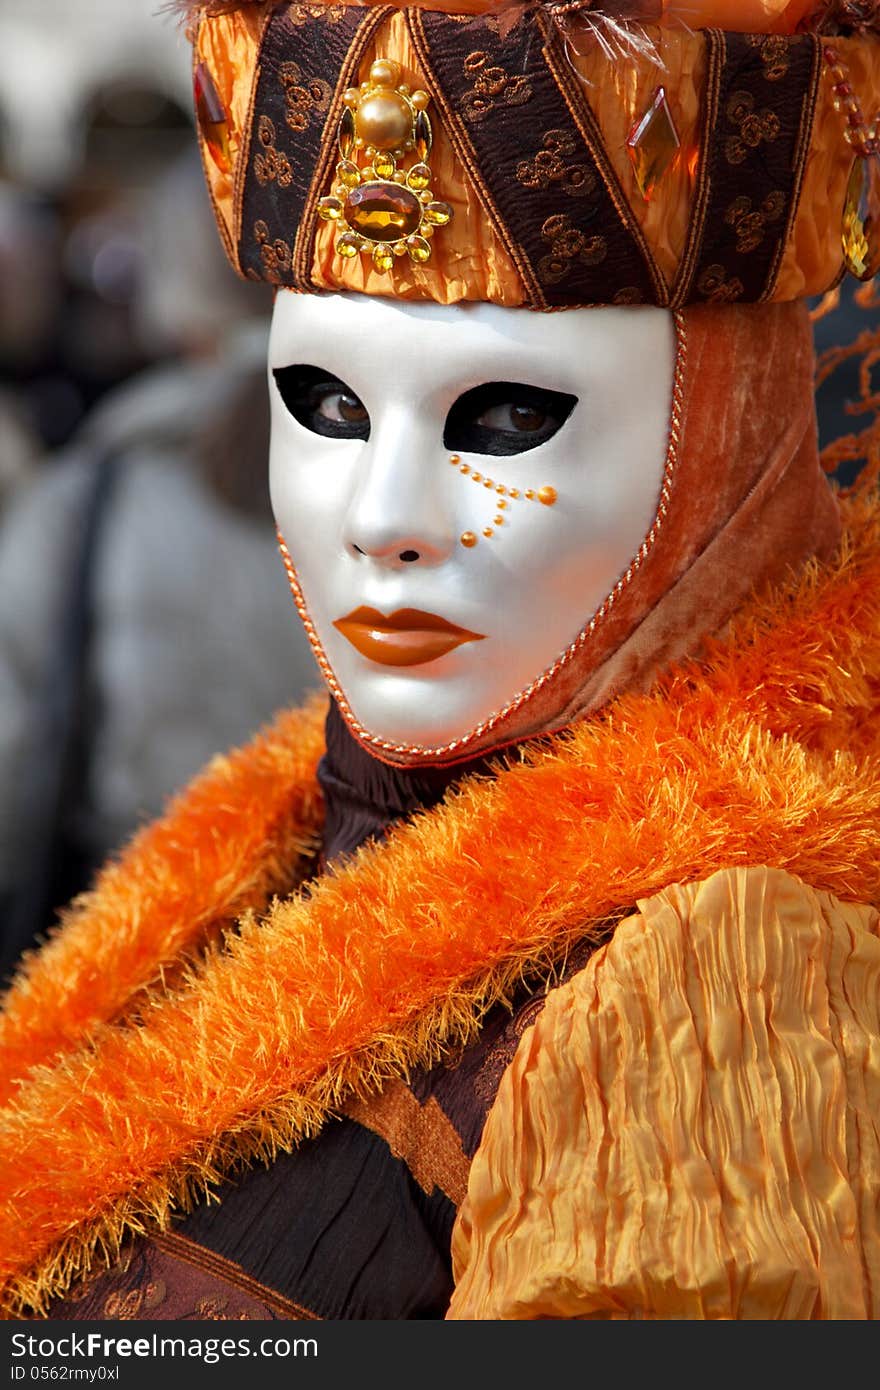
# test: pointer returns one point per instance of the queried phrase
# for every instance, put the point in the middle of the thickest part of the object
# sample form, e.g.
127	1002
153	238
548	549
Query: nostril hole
358	549
409	555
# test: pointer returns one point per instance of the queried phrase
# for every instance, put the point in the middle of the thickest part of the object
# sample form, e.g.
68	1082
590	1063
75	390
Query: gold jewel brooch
383	209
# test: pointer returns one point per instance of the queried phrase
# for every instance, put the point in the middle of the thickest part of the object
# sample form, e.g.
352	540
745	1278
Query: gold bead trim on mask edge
460	745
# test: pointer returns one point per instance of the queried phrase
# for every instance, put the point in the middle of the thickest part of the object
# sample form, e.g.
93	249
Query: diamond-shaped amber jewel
860	227
653	145
212	117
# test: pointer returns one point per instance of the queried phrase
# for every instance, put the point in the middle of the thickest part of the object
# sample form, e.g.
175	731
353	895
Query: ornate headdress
550	156
718	158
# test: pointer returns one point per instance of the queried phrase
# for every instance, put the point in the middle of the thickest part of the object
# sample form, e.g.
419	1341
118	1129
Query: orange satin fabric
229	44
689	1129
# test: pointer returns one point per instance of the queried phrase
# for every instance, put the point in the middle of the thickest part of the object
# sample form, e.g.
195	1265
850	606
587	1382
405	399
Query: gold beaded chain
857	132
860	223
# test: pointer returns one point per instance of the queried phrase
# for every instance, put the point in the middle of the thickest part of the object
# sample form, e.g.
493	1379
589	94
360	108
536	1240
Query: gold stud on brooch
381	208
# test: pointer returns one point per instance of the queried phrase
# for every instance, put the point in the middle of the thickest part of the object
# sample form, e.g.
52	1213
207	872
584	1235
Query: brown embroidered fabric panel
541	173
172	1279
295	100
762	98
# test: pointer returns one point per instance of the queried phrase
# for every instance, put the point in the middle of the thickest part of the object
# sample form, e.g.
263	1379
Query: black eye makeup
320	402
501	418
498	418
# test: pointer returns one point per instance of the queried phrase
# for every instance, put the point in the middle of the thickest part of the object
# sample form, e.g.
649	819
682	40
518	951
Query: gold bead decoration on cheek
547	495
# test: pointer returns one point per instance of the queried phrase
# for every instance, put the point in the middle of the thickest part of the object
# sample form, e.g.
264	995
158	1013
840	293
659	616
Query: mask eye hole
322	403
505	417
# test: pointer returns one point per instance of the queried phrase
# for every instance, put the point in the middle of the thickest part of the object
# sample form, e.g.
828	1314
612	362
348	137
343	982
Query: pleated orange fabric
689	1129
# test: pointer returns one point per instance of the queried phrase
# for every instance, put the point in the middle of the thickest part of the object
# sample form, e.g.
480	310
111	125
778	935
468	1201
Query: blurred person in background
145	619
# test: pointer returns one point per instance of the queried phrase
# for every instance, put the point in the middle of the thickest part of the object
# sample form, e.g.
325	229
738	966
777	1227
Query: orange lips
408	638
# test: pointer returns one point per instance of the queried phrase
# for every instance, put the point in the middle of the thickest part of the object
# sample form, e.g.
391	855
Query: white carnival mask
459	489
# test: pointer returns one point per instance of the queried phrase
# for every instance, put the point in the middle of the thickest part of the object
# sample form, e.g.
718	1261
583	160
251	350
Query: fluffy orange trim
243	831
764	753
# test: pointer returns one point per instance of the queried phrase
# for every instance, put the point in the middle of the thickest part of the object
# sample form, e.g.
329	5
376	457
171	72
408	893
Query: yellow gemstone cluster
381	208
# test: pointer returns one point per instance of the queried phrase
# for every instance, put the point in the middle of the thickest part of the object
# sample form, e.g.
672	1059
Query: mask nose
400	513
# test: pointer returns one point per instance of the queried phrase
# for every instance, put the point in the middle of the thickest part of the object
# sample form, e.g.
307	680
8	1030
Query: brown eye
506	417
527	417
350	409
322	403
513	418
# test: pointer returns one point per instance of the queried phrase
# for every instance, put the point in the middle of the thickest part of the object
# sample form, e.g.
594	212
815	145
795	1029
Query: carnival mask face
459	488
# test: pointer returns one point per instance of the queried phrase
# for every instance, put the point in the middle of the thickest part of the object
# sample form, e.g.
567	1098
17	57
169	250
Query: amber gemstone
330	209
384	119
383	211
438	213
860	228
653	145
213	118
424	135
383	258
419	249
346	132
348	173
384	164
419	177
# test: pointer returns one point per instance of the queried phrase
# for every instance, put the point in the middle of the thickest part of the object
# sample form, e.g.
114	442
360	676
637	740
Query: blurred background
145	620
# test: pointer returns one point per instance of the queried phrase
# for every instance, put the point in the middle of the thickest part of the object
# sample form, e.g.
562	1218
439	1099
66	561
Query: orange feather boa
137	1090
